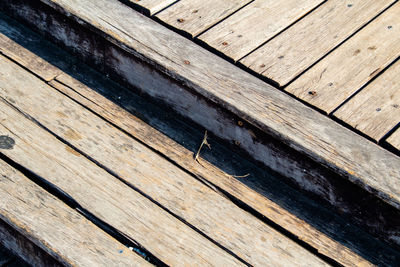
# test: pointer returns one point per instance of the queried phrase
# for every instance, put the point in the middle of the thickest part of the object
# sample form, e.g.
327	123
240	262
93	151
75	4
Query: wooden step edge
306	148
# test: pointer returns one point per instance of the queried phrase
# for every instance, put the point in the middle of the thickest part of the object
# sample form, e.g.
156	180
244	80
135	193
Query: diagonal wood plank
104	196
96	89
196	16
152	6
297	48
376	109
394	139
331	81
189	199
176	152
255	24
292	123
54	227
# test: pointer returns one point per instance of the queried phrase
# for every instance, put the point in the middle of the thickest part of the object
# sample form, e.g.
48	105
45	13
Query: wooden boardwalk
325	53
94	174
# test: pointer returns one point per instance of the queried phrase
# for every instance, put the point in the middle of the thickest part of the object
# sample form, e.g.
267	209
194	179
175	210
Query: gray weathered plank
179	154
54	227
173	61
89	95
173	188
196	16
394	139
331	81
152	6
246	96
293	51
255	24
95	190
376	109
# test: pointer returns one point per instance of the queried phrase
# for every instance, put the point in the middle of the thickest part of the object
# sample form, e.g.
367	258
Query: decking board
104	196
152	6
394	139
302	129
180	193
375	110
196	16
290	53
255	24
94	89
54	227
334	79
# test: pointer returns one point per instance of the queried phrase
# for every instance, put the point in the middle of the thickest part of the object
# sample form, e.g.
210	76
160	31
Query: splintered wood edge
221	83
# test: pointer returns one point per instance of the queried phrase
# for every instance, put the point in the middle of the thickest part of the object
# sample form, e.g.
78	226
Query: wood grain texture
394	139
331	81
106	197
173	188
376	109
274	112
164	56
293	51
196	16
56	228
255	24
152	6
89	98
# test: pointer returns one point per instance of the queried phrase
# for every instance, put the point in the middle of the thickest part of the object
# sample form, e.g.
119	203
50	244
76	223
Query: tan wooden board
92	99
56	228
173	188
179	154
376	109
152	6
290	53
196	16
331	81
394	139
303	129
103	195
255	24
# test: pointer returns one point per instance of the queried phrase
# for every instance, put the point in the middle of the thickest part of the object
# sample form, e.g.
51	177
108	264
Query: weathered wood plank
92	95
376	109
15	44
212	92
173	188
331	81
394	139
182	156
255	24
54	227
104	196
293	51
152	6
196	16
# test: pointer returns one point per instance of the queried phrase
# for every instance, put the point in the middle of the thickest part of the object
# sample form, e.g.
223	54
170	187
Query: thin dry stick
204	142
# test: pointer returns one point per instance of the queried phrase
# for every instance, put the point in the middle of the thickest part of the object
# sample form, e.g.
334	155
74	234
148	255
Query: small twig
204	142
